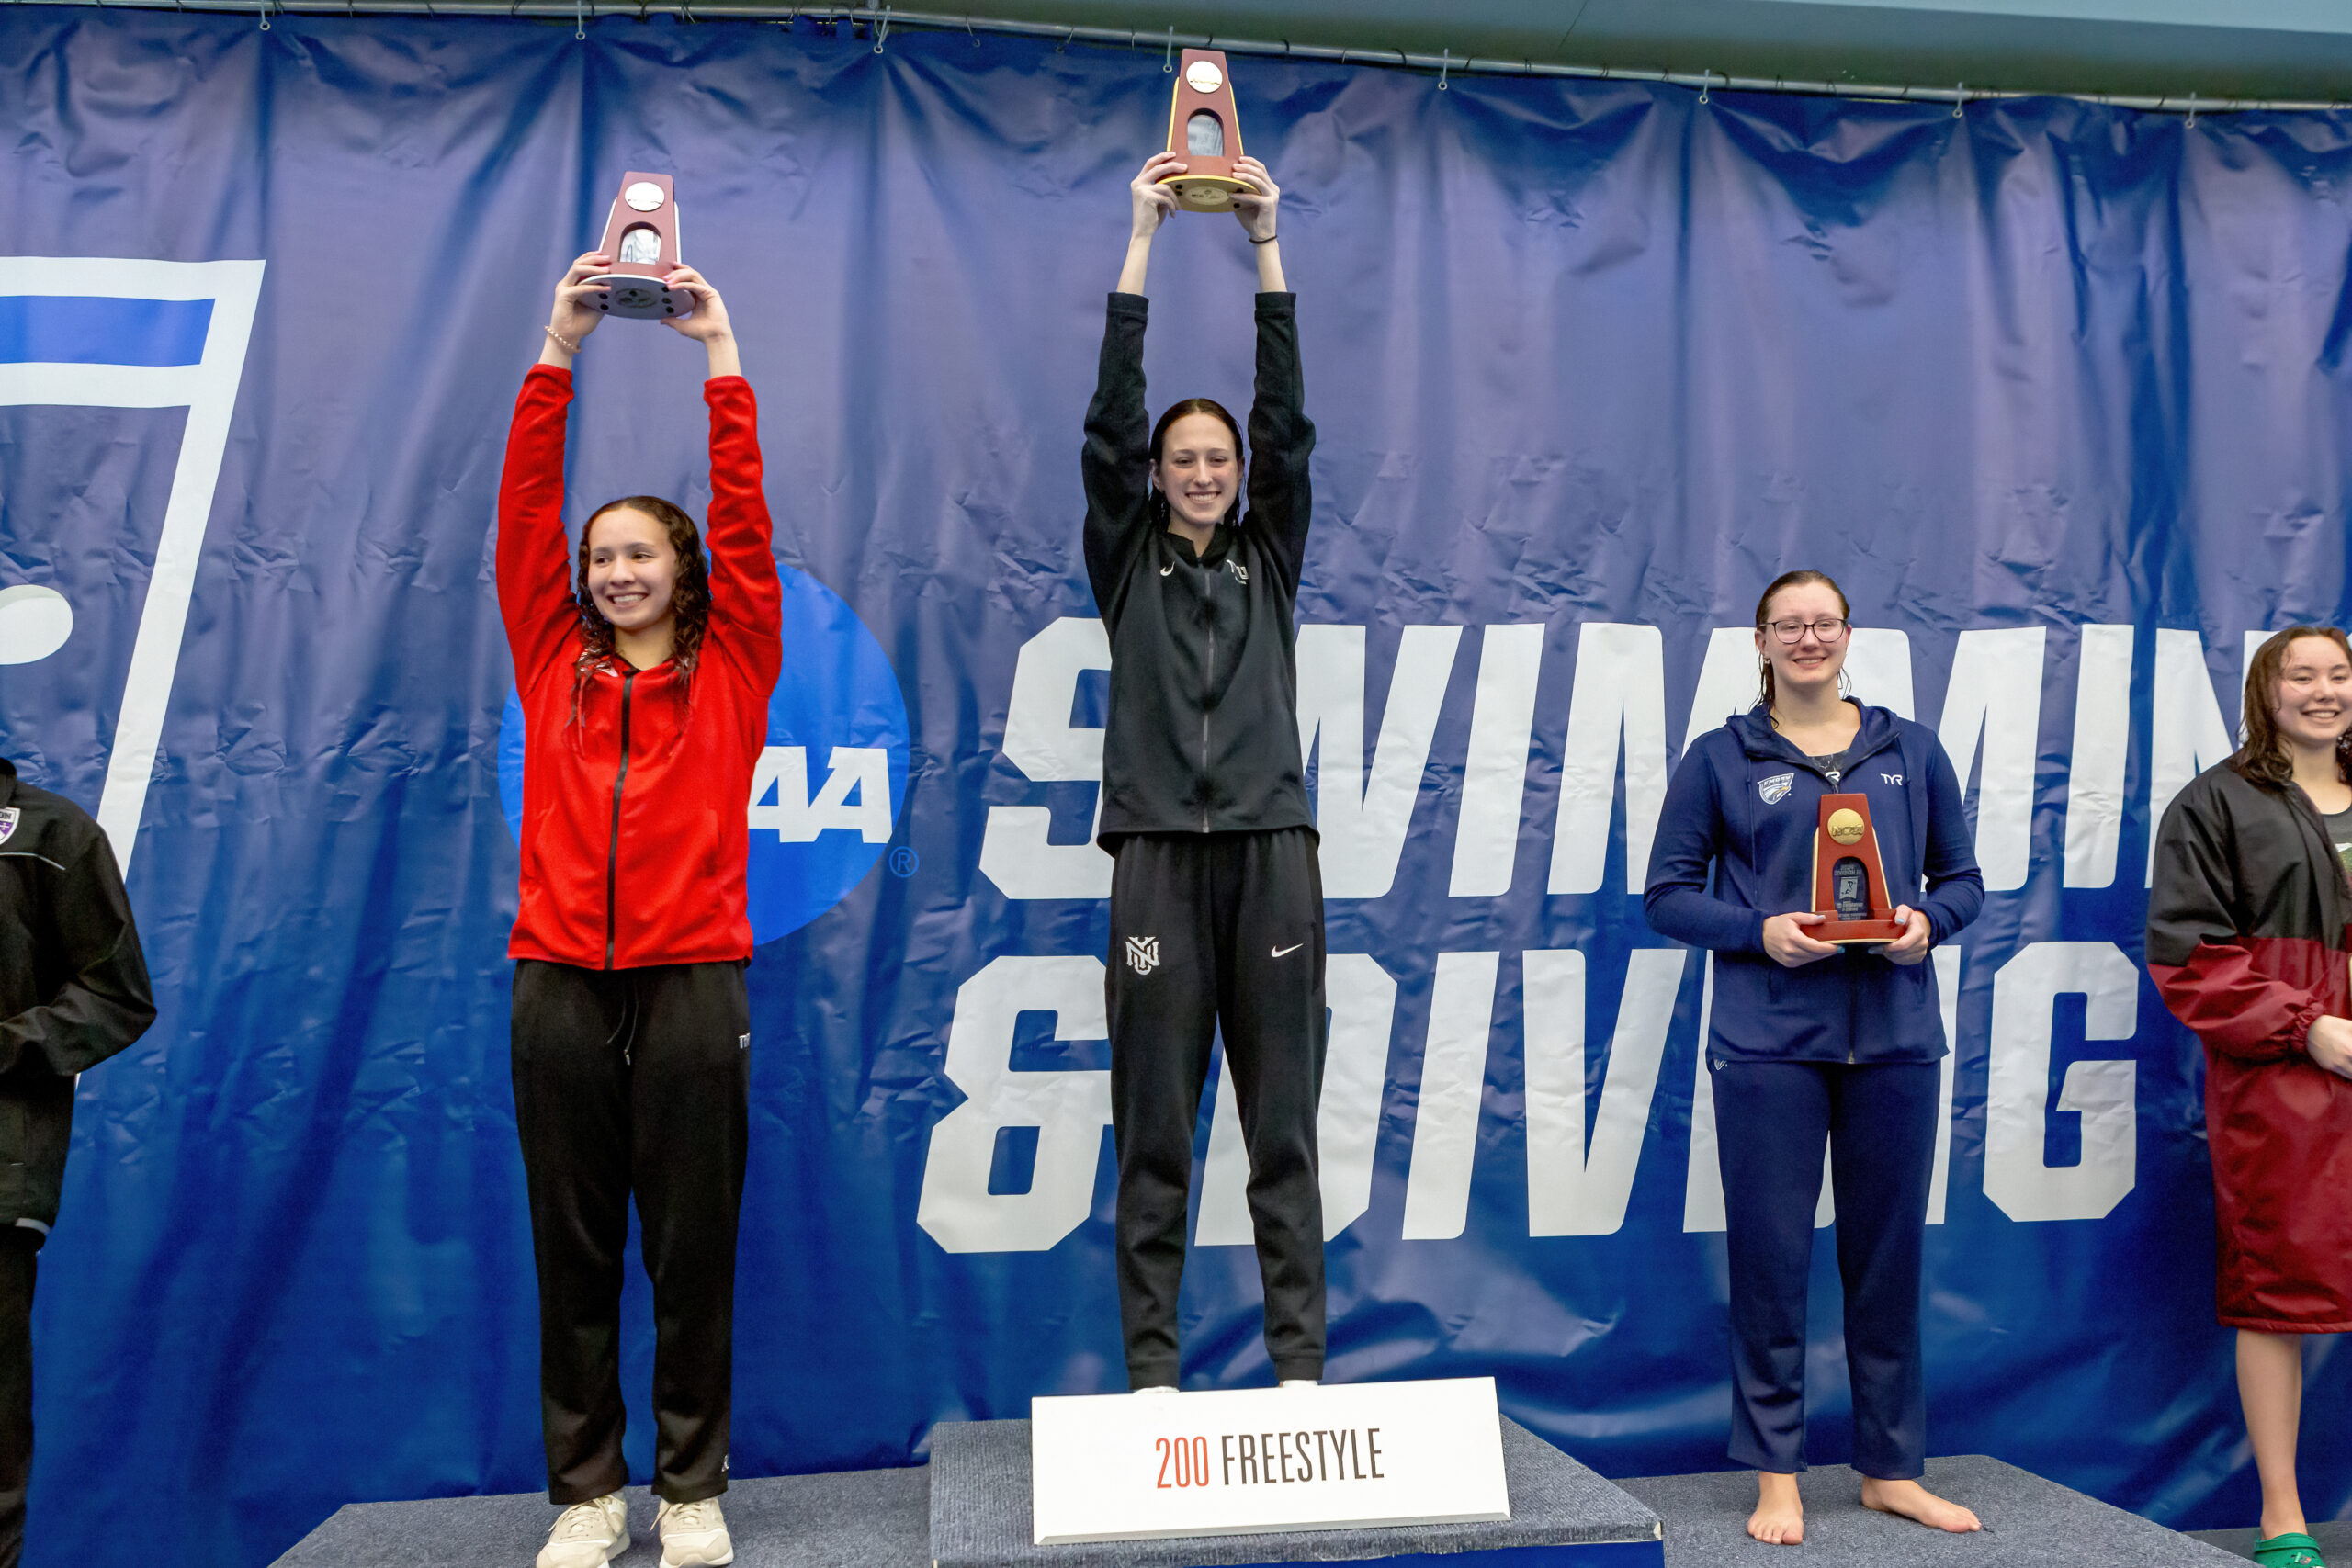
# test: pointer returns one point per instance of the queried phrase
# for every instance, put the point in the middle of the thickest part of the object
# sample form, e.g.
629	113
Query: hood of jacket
1880	729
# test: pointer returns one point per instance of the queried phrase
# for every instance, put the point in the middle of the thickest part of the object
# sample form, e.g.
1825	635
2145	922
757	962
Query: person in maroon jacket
2248	942
644	682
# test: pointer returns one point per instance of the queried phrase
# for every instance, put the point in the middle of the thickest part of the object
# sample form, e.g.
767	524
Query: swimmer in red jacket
644	681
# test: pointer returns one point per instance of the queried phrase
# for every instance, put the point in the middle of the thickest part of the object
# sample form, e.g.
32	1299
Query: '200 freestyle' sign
1119	1467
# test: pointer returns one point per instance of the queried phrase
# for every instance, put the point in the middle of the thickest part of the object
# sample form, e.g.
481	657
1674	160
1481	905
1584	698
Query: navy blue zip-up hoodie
1746	803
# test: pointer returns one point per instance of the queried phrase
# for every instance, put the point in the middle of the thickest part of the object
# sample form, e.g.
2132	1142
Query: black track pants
1771	1119
18	1247
634	1079
1209	929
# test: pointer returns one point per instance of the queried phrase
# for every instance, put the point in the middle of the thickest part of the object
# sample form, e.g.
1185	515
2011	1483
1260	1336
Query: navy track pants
1771	1120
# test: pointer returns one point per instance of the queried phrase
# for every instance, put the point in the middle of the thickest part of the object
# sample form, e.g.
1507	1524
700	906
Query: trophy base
1206	193
640	297
1850	933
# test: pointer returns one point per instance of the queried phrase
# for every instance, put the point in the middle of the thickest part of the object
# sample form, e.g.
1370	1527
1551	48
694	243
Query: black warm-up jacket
73	984
1203	735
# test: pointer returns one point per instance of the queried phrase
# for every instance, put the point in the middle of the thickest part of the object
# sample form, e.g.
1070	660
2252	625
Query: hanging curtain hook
882	30
1960	102
579	19
264	16
1445	67
2192	122
1167	59
1707	85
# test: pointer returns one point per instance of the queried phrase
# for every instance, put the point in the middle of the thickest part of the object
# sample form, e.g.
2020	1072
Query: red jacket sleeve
746	600
2215	987
2234	1006
534	558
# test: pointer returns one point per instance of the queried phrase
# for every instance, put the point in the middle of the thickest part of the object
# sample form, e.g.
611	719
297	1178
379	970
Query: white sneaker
1301	1382
693	1534
1157	1388
588	1535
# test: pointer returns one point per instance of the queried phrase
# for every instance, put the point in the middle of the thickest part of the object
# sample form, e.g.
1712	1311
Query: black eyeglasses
1828	630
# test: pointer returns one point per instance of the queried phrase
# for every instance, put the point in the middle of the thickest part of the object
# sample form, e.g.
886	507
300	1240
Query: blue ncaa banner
2057	391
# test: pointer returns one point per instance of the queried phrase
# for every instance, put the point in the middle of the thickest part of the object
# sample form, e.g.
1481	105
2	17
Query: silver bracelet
566	344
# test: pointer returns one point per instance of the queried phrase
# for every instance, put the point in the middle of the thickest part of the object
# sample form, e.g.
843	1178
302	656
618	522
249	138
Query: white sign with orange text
1152	1466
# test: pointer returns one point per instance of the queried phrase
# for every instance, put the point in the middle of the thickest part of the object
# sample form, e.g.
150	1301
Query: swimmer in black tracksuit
1216	900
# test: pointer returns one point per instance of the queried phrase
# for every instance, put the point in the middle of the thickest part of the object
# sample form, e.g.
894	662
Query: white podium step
1563	1516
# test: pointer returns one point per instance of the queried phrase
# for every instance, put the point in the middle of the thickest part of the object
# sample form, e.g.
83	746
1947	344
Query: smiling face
2313	698
632	568
1199	470
1804	666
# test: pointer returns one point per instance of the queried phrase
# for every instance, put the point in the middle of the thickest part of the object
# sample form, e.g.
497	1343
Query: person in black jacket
1216	899
72	992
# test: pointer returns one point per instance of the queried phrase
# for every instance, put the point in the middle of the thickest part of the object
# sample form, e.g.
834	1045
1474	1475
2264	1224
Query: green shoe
2290	1550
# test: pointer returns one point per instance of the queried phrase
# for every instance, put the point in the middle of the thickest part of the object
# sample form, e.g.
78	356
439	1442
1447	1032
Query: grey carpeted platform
2029	1523
980	1514
867	1518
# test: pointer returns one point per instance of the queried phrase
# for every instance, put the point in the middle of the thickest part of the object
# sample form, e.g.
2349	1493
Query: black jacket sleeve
1116	463
1281	438
105	1003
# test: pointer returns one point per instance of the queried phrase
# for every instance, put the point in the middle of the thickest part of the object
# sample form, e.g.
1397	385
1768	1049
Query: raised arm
746	600
1281	438
533	558
1115	464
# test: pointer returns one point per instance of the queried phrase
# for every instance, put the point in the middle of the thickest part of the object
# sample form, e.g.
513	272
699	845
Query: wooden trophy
641	236
1848	877
1203	131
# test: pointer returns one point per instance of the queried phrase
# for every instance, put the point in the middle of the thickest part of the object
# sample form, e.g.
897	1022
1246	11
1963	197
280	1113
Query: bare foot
1779	1518
1914	1501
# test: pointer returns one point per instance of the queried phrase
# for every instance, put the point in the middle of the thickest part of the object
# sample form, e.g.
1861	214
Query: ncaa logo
1143	954
830	780
1775	789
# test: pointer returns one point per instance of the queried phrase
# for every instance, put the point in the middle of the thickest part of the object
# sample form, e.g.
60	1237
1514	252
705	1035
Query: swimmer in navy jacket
1812	1042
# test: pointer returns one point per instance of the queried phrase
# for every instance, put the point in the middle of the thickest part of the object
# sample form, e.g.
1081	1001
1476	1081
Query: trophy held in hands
1848	878
1203	131
641	236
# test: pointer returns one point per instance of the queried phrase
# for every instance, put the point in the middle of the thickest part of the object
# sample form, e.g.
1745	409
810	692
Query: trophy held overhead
641	236
1203	131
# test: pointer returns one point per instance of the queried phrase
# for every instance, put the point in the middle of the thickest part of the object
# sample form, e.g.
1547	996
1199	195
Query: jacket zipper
1207	687
613	855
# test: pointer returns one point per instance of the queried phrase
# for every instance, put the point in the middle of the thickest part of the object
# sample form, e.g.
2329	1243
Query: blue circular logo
833	778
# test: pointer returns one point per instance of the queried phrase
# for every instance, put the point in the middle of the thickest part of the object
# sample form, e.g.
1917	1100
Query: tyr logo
1143	954
1895	779
1240	572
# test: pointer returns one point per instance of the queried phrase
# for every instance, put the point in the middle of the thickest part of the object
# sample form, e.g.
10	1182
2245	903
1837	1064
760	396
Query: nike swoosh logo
1294	947
1169	567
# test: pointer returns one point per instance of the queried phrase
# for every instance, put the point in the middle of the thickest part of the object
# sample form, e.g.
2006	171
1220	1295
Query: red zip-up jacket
634	830
2249	924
